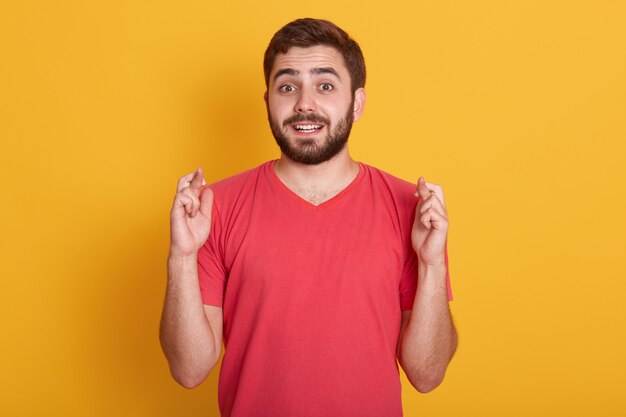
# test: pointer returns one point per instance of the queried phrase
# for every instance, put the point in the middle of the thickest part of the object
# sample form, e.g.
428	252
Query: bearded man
316	272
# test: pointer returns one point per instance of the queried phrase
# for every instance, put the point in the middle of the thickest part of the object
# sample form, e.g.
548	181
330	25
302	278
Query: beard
307	151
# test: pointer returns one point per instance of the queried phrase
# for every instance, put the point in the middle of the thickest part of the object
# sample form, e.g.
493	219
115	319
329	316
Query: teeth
308	128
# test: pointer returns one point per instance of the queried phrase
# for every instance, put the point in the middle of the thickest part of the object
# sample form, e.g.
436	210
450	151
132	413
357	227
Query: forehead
303	59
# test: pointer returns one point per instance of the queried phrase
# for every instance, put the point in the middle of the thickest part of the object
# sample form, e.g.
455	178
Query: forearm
186	336
429	339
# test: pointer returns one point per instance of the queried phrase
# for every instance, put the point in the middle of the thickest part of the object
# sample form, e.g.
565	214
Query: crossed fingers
188	191
194	180
431	207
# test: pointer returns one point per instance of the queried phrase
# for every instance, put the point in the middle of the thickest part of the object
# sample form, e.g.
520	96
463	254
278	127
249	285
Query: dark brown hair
309	32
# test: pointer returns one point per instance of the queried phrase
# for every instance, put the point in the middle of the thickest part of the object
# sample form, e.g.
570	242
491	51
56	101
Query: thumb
198	179
206	201
422	190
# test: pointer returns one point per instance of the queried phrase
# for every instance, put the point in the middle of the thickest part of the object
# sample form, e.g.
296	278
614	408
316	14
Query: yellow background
517	107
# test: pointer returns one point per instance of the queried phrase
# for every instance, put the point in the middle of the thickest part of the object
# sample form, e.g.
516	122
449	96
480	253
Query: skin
310	84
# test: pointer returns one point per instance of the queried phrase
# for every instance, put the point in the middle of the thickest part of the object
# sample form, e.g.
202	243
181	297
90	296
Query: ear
359	103
265	97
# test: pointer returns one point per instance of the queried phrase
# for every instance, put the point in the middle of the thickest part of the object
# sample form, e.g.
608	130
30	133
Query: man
317	271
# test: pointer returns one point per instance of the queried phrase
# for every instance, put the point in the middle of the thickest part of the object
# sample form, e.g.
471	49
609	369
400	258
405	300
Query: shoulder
400	190
232	191
236	183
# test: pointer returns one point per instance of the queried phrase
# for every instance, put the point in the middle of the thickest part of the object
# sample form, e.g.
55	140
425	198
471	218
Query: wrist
436	263
432	267
433	273
178	259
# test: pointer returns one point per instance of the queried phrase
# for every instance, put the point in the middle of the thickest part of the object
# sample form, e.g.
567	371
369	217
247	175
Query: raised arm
428	338
191	333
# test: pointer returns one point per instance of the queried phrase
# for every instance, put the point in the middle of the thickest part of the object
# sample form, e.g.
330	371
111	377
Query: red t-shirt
311	295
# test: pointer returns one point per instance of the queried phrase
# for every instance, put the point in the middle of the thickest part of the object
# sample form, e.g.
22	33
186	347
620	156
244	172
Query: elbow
425	375
189	369
190	374
427	381
190	378
188	382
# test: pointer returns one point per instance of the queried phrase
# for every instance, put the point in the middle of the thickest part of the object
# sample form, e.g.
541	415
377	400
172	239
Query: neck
317	183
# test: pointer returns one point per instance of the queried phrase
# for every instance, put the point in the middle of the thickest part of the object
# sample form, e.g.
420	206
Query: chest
330	254
316	195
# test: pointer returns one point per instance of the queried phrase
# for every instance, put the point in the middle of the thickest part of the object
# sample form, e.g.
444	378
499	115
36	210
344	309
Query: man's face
310	104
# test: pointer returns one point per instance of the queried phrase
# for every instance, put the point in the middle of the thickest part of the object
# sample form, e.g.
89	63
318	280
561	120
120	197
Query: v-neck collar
304	203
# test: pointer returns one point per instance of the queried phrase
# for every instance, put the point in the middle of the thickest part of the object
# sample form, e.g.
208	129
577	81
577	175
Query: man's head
315	76
307	32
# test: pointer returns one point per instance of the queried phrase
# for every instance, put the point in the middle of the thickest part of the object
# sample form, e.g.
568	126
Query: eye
326	87
287	88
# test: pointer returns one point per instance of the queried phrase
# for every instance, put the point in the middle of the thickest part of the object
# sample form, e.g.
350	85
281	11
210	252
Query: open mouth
308	128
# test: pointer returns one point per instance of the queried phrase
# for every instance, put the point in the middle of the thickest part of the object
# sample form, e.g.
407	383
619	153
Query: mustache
313	118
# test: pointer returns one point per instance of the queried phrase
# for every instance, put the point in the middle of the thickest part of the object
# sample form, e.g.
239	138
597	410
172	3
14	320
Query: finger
184	181
182	202
434	203
206	201
196	181
195	201
422	190
437	190
432	219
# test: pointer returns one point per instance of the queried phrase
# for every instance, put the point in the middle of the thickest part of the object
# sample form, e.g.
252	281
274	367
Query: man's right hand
190	218
190	333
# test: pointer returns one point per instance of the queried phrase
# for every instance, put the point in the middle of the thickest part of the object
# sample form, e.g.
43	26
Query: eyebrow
324	70
314	71
285	71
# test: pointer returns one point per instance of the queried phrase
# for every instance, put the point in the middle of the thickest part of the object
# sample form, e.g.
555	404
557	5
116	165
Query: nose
306	103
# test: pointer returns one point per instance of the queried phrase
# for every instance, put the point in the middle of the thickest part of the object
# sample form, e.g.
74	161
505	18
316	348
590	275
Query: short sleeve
408	283
211	270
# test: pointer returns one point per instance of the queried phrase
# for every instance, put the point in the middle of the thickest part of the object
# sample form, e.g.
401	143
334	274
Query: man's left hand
430	229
